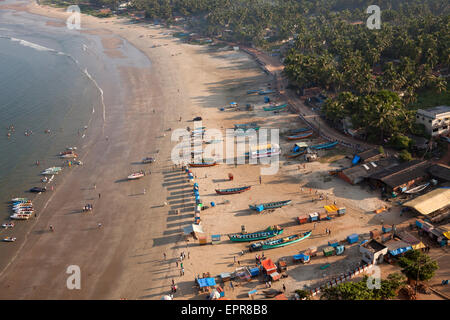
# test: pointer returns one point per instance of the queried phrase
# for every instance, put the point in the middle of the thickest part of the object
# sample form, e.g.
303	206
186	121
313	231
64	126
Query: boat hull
232	191
271	205
273	245
257	236
199	165
299	137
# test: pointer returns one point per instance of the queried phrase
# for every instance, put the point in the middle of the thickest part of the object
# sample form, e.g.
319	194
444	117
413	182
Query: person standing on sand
165	258
284	288
99	195
260	180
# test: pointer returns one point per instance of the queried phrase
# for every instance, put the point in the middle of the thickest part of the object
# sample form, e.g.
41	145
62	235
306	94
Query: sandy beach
124	258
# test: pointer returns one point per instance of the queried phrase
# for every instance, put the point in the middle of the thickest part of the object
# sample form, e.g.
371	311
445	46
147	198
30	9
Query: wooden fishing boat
8	225
327	145
300	130
418	188
274	108
270	205
148	160
19	200
233	190
253	91
260	235
136	175
281	242
203	164
265	92
20	216
246	125
300	136
262	151
296	154
9	239
70	155
38	189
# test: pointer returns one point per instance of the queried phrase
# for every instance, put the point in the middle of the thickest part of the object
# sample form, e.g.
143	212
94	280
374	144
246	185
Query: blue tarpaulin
352	238
296	148
206	282
356	160
399	251
254	271
260	208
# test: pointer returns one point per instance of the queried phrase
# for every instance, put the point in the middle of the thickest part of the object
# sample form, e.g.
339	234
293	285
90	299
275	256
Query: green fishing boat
281	242
260	235
282	106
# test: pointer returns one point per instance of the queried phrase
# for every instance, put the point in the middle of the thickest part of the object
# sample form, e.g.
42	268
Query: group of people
88	207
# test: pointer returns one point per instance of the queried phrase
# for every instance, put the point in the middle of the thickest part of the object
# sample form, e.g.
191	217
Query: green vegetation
361	291
417	265
303	294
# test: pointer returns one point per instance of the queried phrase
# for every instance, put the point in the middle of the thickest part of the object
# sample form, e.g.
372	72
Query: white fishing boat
136	175
71	148
19	200
20	216
148	160
9	239
417	189
262	151
8	225
69	155
30	208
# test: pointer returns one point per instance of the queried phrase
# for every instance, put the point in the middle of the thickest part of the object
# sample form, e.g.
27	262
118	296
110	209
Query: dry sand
124	259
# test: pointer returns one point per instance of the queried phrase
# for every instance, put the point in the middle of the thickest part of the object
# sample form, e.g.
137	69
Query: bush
303	294
401	142
405	156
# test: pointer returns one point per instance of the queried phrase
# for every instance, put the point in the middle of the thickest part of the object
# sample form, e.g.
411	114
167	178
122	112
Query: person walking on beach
176	263
144	191
231	285
95	186
165	258
234	258
284	288
189	255
260	180
99	195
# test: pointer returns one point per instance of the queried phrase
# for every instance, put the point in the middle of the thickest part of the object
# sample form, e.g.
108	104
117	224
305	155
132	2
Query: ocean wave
84	71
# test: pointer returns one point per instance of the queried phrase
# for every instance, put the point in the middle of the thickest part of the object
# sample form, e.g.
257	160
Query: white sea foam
85	71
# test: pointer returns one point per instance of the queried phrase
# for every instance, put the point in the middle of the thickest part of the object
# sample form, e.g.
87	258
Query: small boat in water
38	189
281	242
8	225
232	190
9	239
260	235
300	136
270	205
136	175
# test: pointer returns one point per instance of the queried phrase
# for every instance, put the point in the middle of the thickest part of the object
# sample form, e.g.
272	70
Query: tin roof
431	201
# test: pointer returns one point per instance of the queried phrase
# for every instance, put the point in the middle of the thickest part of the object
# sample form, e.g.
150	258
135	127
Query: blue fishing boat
280	242
327	145
270	205
232	190
294	131
300	136
265	92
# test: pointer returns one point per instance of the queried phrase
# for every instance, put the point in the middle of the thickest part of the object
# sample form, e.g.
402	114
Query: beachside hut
202	239
312	251
313	216
373	251
302	219
268	266
340	249
215	238
225	276
352	238
301	258
328	251
397	247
